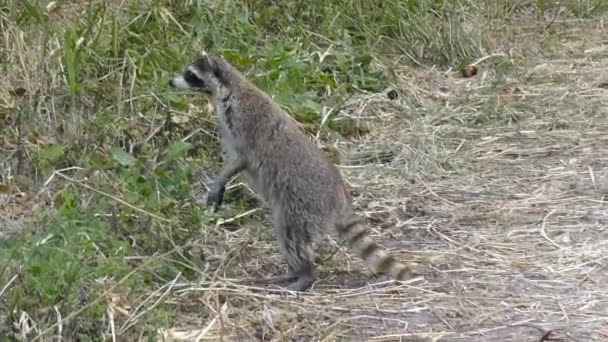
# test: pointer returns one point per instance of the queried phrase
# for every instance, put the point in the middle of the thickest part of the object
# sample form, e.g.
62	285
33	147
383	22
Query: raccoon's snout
179	83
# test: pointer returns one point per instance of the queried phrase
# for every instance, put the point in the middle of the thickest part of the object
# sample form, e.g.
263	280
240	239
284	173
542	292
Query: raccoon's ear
207	63
211	64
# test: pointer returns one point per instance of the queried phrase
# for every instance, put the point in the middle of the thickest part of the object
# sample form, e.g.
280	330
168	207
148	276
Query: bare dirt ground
506	214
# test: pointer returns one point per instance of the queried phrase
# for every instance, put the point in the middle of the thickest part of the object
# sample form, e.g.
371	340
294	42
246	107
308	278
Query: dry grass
495	186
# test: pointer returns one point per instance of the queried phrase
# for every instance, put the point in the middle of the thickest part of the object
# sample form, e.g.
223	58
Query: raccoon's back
295	174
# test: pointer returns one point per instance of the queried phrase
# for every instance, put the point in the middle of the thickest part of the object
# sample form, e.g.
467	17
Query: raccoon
304	191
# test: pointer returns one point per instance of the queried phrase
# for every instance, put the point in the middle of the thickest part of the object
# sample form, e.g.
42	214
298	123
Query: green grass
96	97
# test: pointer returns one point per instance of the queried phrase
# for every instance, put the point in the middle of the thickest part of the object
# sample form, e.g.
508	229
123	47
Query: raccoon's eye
193	79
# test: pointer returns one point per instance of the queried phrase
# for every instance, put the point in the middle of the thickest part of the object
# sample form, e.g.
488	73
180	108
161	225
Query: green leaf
312	106
71	59
51	153
177	149
122	157
24	181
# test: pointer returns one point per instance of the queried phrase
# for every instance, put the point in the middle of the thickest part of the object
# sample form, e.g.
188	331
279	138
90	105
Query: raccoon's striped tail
355	233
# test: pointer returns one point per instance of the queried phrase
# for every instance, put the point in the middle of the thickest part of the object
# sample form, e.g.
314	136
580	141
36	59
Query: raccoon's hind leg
296	246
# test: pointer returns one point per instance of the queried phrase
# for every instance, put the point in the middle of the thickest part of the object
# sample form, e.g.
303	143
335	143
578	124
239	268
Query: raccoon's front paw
215	196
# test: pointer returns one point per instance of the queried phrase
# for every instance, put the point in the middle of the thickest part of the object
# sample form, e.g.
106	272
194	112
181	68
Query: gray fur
303	189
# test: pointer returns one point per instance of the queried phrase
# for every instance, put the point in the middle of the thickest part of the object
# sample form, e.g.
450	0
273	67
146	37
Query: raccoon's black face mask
203	75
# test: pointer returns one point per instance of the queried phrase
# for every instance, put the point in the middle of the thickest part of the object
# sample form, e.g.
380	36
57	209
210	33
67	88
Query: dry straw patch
508	221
